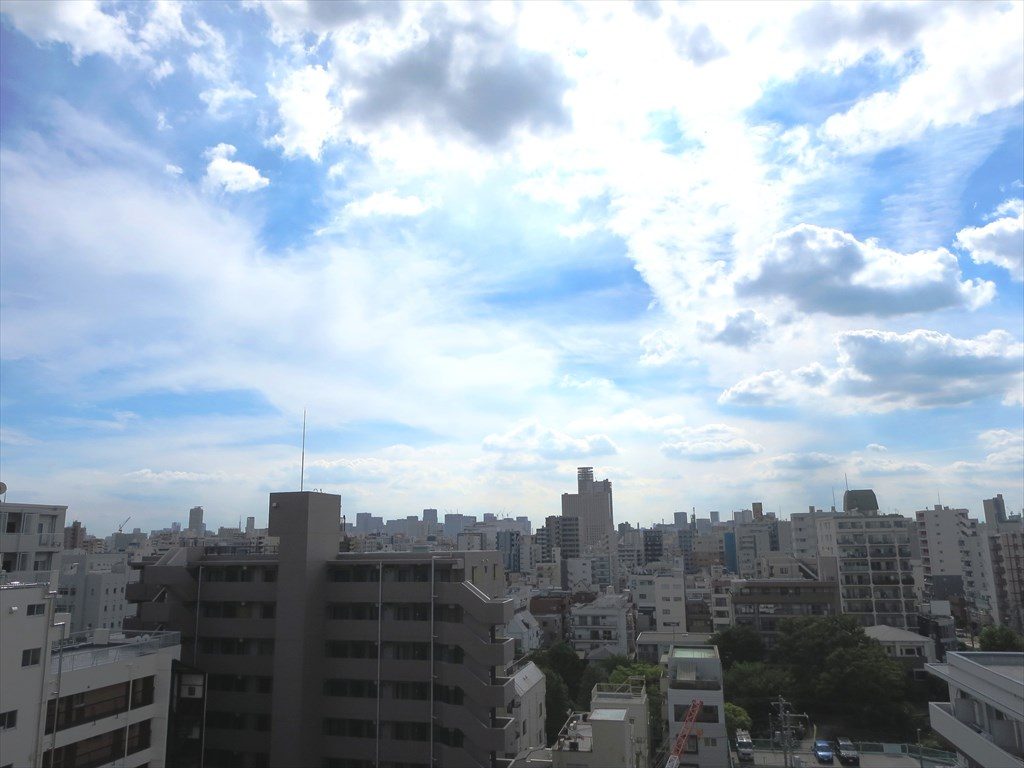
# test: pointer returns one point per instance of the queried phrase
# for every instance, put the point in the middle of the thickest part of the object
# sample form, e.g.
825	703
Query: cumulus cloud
531	437
811	460
173	170
216	99
884	370
877	448
825	270
466	77
291	19
697	44
80	24
309	119
1000	242
387	203
147	475
710	442
231	175
881	467
956	82
741	329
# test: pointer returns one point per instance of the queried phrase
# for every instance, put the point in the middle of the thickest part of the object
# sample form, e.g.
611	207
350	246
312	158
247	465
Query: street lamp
920	753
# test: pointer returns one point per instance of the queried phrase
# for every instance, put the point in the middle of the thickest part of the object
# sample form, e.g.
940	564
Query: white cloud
309	118
882	467
231	175
1000	242
711	442
826	270
173	170
884	370
162	70
147	475
969	67
742	329
877	448
217	98
387	203
531	437
81	24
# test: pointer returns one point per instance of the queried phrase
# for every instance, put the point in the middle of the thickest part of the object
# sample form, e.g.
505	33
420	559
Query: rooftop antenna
833	497
302	465
847	479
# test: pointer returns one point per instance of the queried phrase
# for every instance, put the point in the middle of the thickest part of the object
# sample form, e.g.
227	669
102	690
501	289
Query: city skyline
720	254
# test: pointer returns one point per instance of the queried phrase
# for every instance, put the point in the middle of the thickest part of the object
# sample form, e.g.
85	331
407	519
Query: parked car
846	752
822	751
744	747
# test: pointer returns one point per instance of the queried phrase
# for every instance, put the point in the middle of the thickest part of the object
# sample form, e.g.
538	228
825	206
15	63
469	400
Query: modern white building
97	698
528	708
694	672
942	534
984	717
602	628
597	739
670	603
92	590
902	645
31	538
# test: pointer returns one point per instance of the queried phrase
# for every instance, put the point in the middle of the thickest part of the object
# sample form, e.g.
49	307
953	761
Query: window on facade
36	609
30	657
8	719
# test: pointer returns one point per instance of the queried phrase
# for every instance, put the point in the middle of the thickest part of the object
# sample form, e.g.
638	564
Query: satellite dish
3	488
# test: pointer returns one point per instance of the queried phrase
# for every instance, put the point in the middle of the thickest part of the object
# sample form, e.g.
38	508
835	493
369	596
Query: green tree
563	660
739	643
592	675
862	684
557	704
736	719
995	638
753	685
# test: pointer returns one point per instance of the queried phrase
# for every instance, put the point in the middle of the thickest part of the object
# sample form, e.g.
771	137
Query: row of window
241	683
98	750
397	689
237	646
398	731
239	610
363	649
238	721
393	611
402	573
97	703
245	573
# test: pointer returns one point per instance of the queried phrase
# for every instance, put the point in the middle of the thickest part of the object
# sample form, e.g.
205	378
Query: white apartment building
31	538
92	590
902	645
579	574
596	739
984	717
631	696
693	671
670	603
97	698
942	536
528	708
602	628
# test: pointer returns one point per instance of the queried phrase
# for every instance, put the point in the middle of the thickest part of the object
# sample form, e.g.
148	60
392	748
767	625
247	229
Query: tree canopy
739	643
736	719
1000	639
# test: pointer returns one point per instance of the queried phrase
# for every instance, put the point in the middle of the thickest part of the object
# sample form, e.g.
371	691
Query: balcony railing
89	649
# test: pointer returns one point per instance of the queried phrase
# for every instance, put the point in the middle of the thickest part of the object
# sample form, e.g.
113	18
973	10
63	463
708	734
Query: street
774	758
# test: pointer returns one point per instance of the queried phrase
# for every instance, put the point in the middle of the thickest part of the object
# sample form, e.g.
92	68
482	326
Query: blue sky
719	254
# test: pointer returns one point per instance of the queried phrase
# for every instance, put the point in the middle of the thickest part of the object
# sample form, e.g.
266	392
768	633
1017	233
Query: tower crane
684	733
120	528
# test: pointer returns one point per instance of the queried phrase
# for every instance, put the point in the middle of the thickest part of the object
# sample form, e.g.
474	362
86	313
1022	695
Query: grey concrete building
592	505
317	658
31	538
91	589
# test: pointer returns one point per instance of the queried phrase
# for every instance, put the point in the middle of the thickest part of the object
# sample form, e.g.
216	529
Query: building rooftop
693	652
608	714
886	634
104	646
526	677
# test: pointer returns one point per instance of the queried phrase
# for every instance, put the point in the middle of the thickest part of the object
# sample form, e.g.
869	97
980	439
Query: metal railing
88	649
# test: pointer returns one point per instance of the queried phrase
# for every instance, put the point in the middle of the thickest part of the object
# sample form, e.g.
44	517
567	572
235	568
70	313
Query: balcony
969	738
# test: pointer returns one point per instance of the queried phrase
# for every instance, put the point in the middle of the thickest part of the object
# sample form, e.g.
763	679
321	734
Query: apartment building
1007	555
528	708
872	562
763	603
942	537
693	671
91	589
31	538
328	659
602	628
984	717
85	699
632	697
596	739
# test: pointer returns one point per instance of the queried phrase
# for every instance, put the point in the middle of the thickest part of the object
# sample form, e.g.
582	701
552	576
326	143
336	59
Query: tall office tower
757	510
510	544
31	538
250	524
592	506
714	517
942	536
995	511
654	547
319	658
74	535
743	516
430	516
681	520
195	519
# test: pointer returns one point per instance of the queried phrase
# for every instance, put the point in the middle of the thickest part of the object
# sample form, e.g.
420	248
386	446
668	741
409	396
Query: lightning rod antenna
302	464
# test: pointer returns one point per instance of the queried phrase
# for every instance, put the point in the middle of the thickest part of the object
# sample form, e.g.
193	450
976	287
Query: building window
36	609
8	719
30	657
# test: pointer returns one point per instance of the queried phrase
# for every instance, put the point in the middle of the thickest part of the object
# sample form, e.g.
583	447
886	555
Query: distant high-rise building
995	511
195	519
942	536
757	510
862	501
714	517
429	515
680	520
250	524
592	506
74	535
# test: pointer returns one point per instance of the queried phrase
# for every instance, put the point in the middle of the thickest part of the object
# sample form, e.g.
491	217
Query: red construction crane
684	733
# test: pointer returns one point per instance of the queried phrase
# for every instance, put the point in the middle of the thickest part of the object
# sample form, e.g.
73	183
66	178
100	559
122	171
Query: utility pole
783	718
